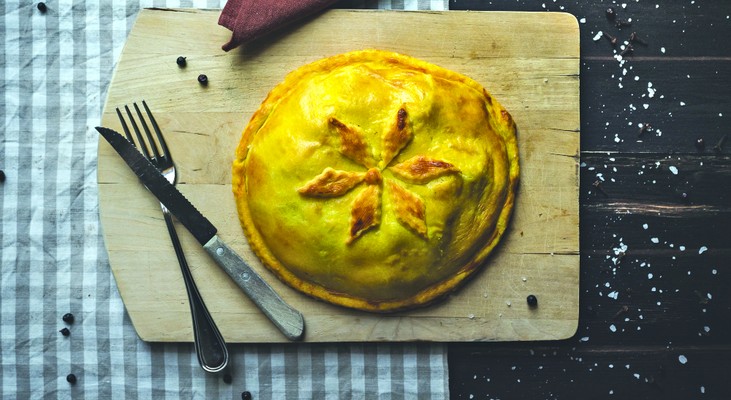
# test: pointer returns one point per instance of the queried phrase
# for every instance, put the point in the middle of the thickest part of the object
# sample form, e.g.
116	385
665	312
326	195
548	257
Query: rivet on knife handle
287	319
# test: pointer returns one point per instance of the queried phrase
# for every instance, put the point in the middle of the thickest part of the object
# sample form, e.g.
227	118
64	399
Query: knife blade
289	321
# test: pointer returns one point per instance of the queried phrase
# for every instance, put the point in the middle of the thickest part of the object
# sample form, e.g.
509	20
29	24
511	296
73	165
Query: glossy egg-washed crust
376	181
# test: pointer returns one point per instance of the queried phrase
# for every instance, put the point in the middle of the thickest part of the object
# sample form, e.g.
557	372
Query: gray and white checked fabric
55	68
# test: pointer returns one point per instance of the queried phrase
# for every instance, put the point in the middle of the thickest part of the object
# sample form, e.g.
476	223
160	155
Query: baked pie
376	181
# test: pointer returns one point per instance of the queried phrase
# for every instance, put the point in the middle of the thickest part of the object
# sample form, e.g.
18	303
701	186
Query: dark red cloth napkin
251	19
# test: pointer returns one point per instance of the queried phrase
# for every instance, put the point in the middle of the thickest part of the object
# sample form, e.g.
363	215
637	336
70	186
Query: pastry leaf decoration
422	169
365	211
410	209
331	183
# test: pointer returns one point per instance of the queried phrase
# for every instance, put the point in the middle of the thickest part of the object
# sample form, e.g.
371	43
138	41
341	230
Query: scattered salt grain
645	226
583	20
649	276
655	240
662	50
598	36
613	295
682	359
703	389
682	104
612	328
584	339
673	169
702	250
637	376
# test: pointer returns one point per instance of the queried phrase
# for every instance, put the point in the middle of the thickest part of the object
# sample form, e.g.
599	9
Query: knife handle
286	318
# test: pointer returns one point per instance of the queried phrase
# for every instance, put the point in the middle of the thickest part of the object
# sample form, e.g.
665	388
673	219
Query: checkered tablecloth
55	68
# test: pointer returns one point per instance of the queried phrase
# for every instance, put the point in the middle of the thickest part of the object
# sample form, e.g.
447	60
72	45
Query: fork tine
140	140
150	141
160	138
125	128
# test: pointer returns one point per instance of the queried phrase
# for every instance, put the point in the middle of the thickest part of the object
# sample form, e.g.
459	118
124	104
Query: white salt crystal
649	276
645	226
702	249
655	240
598	36
614	295
583	20
682	104
682	359
673	169
662	50
612	328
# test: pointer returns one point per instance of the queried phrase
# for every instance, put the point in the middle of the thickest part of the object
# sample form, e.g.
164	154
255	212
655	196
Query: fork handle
209	344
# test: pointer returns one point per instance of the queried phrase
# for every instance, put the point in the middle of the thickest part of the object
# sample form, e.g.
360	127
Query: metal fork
209	344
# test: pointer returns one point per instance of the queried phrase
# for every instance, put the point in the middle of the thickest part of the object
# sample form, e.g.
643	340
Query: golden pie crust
376	181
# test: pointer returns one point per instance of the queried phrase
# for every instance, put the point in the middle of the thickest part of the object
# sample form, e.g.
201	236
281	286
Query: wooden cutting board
528	61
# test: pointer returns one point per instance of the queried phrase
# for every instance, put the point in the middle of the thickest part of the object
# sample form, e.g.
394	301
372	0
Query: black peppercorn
2	176
700	144
532	300
245	395
71	378
611	15
227	378
180	61
68	318
65	331
203	79
42	7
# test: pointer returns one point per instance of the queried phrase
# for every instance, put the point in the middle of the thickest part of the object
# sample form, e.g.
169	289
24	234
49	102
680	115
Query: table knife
286	318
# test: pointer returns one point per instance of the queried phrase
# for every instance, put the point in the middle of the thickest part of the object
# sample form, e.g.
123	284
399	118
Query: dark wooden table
655	200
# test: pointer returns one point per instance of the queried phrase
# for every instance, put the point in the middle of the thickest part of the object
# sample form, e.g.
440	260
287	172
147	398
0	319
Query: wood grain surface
528	61
656	238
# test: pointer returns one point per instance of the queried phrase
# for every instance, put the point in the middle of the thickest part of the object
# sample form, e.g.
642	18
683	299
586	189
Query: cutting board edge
425	12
